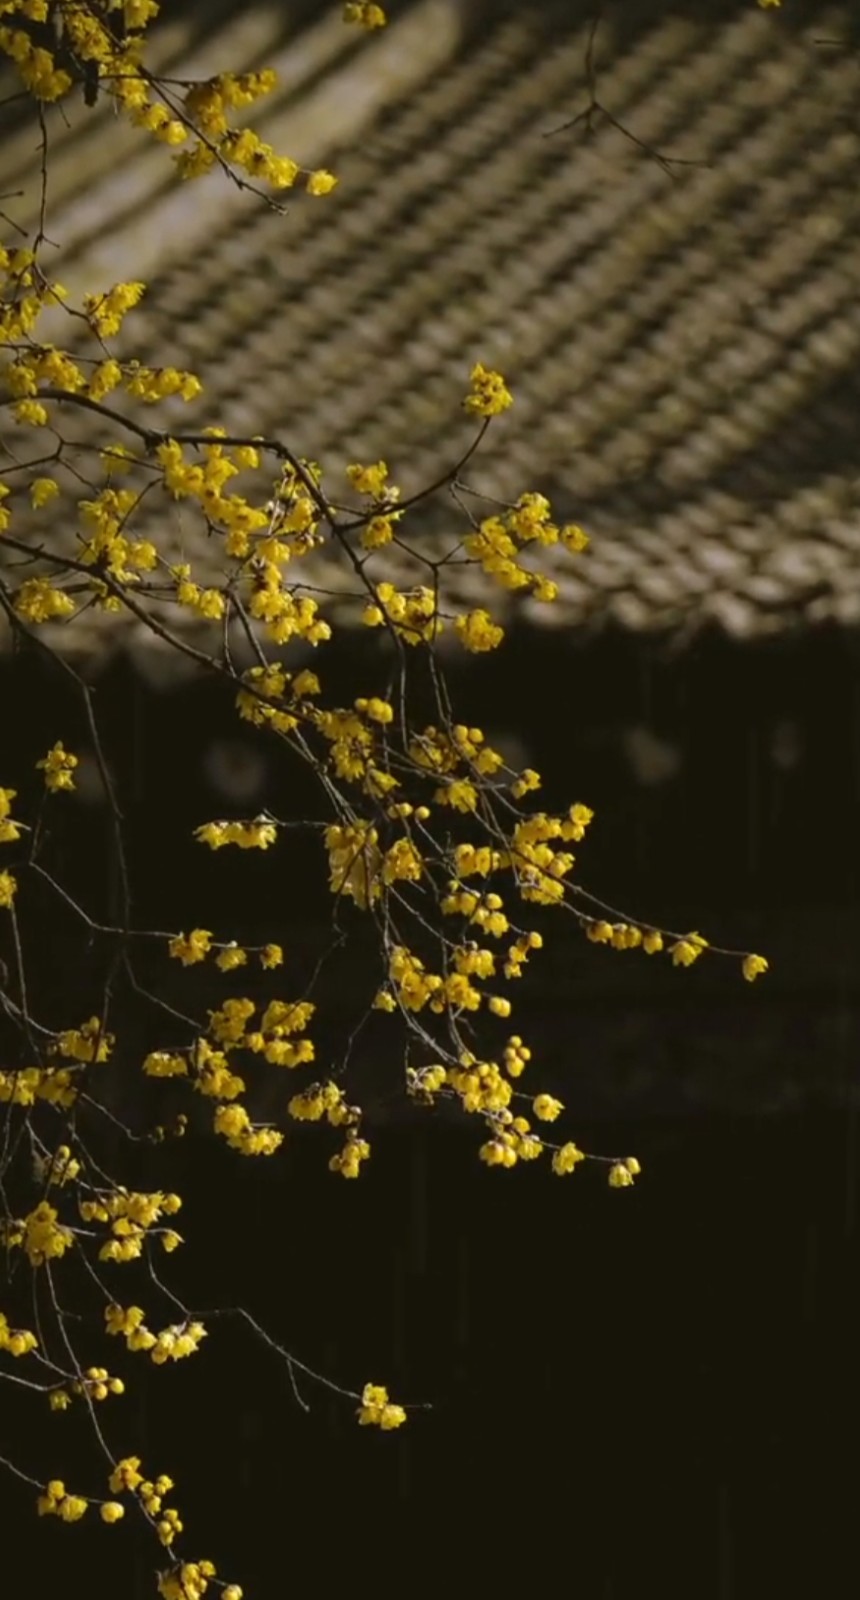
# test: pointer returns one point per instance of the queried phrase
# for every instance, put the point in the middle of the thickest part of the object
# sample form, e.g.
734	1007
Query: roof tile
683	349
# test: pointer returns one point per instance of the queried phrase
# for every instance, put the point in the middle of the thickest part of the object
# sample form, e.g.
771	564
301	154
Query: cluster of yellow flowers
412	987
234	1125
106	312
209	101
480	1085
208	603
127	1478
513	1140
191	948
204	113
486	1089
424	1083
271	1036
373	481
40	1235
499	540
683	949
131	1214
481	911
21	302
9	830
377	1411
55	1502
39	600
516	1056
197	945
189	1580
256	835
96	1384
60	1168
149	384
286	615
323	1100
54	1086
566	1159
489	395
351	741
198	121
354	859
510	1145
16	1341
89	1042
411	614
365	13
268	684
460	758
478	632
623	935
347	1162
59	768
174	1343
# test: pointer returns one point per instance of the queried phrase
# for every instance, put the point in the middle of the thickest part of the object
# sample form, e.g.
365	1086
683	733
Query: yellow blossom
38	600
126	1475
546	1108
377	532
573	538
365	13
58	766
32	412
348	1161
230	957
16	1341
620	1175
498	1152
477	631
195	948
371	480
71	1508
161	1064
566	1159
685	951
320	182
40	1235
41	491
256	835
106	311
89	1042
752	966
377	710
488	395
376	1410
527	780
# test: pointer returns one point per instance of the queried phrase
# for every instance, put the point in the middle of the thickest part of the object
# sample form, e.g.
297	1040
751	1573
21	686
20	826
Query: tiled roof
683	347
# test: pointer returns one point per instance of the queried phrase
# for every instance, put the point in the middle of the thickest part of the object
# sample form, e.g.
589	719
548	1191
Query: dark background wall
649	1390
